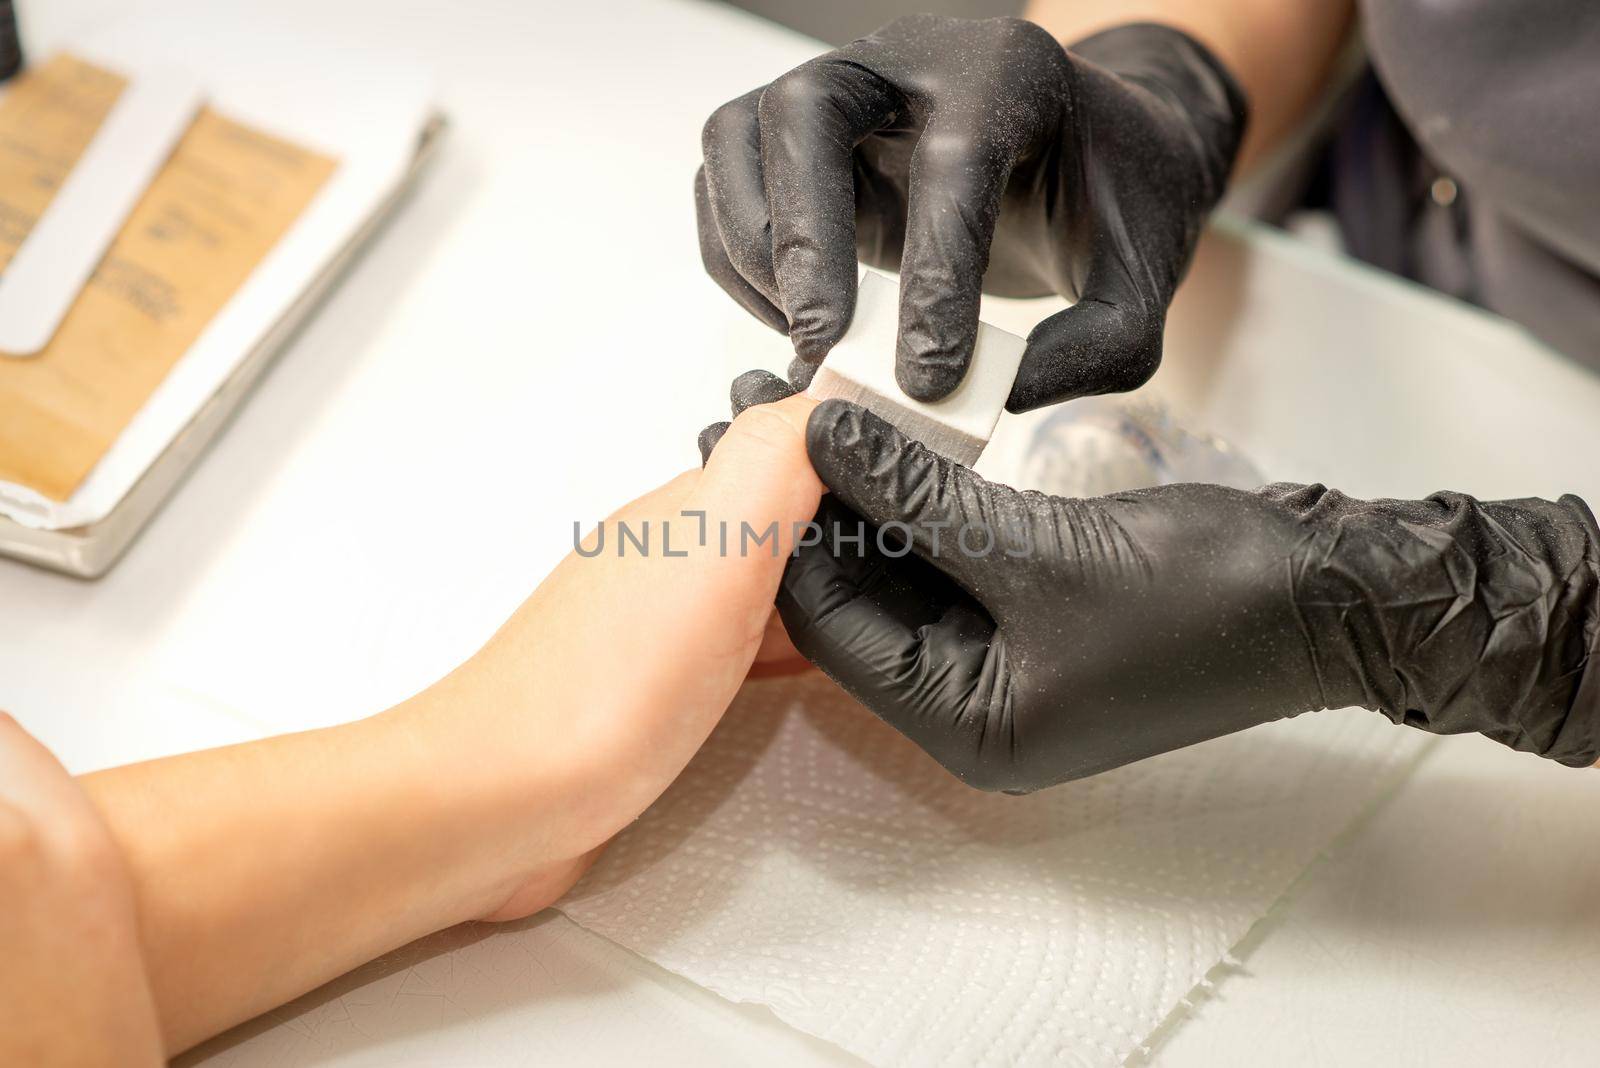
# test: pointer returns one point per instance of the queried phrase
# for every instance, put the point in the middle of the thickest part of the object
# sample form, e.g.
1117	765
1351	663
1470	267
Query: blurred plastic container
1099	445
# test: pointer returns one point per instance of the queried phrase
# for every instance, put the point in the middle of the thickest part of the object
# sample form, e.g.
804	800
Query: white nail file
62	250
860	368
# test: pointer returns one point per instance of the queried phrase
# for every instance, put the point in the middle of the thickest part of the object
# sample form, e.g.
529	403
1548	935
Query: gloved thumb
951	517
1094	347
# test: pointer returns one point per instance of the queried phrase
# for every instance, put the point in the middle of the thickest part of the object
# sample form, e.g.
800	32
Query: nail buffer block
860	368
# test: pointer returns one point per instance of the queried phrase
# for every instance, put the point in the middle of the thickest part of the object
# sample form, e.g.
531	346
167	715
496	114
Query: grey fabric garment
1501	98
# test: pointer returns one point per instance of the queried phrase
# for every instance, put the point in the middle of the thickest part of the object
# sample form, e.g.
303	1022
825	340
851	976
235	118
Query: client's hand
72	983
598	691
264	869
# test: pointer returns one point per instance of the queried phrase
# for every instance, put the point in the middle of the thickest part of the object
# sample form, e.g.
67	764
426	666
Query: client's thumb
758	492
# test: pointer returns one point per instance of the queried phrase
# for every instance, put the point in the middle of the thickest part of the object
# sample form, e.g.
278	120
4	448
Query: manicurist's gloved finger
1152	165
736	197
757	387
749	389
972	153
1001	100
811	120
958	174
714	255
1108	342
709	438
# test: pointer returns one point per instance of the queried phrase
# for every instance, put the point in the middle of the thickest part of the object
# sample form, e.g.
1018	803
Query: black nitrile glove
1091	172
1101	631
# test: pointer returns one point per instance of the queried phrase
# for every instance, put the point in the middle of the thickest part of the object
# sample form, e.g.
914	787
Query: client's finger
706	612
758	489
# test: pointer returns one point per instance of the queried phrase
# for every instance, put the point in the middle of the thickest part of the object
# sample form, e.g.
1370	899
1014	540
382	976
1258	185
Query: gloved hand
1090	171
1096	632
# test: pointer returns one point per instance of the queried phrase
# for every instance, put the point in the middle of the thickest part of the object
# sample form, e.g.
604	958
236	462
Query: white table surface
535	334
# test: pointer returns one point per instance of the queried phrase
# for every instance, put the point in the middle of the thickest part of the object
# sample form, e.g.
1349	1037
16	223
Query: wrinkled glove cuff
1578	741
1189	76
1454	615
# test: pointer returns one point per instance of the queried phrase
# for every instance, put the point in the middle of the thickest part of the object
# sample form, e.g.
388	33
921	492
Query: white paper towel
812	860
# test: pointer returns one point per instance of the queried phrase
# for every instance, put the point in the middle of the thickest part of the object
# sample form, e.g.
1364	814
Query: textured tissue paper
812	860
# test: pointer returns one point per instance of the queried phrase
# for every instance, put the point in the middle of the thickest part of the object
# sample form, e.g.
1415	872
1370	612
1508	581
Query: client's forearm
263	870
